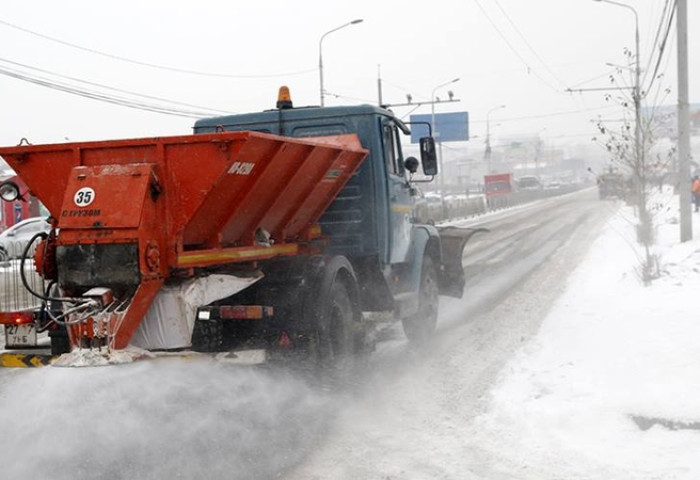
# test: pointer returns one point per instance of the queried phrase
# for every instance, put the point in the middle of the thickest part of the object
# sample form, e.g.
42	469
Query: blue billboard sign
449	127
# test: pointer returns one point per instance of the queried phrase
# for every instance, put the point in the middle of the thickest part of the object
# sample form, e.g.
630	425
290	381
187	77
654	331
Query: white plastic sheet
169	321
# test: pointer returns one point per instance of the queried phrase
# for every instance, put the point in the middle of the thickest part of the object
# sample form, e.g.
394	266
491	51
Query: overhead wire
556	114
662	46
107	87
528	45
513	49
151	65
657	36
122	101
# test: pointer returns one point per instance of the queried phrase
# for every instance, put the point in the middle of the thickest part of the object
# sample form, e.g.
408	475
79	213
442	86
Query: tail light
16	318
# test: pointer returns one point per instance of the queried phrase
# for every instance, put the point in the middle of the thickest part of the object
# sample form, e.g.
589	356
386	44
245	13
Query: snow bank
611	383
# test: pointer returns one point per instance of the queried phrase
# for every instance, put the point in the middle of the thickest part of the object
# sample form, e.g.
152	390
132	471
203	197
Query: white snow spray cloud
159	419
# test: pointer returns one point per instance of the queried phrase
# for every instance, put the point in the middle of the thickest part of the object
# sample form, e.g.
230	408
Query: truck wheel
331	323
207	335
335	335
421	325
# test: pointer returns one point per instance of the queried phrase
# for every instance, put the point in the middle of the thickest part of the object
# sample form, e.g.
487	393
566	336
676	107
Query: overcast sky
520	53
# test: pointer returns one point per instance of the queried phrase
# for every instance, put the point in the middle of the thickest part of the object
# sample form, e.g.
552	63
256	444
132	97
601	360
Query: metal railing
13	295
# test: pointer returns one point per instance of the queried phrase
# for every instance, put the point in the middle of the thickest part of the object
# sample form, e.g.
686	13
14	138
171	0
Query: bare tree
629	146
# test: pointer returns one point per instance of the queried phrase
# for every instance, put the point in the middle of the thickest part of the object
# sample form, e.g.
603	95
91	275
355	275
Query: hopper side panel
299	187
45	172
223	196
337	175
257	204
193	171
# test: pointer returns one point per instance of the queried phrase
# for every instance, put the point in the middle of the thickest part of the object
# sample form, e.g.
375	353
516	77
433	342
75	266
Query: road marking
23	360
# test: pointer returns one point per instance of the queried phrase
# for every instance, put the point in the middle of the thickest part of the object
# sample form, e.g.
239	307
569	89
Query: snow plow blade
451	280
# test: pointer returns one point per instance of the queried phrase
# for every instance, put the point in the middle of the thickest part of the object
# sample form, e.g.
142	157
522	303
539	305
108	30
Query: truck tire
330	331
420	326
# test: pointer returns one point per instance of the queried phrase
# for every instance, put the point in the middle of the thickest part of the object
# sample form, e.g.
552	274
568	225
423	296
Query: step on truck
282	232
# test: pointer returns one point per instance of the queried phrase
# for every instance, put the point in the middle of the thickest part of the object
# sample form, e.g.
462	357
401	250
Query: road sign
449	127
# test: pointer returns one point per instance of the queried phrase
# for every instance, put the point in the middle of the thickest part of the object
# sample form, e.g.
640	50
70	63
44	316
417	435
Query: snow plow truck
280	232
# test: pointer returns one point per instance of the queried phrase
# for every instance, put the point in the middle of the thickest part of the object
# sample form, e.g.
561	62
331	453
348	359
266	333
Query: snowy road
408	417
411	419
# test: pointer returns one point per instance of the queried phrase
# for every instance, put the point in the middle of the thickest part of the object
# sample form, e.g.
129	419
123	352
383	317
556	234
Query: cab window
392	150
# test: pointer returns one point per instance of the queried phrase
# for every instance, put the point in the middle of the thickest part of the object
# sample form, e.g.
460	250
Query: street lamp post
435	133
487	150
320	53
639	165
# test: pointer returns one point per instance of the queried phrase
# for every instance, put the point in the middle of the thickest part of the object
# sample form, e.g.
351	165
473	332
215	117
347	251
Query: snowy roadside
610	386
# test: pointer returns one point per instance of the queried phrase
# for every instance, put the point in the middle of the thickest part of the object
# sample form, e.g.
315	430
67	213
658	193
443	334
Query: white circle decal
84	197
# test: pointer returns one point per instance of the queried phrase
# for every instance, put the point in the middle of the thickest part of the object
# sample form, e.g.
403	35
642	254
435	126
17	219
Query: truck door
400	203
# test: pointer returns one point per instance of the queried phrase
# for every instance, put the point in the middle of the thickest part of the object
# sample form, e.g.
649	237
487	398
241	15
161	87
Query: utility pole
487	149
441	172
686	217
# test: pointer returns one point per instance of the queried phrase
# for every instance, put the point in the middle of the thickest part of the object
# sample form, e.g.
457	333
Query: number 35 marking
84	197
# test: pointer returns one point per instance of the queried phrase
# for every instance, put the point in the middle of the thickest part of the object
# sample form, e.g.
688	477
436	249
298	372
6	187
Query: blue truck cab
372	222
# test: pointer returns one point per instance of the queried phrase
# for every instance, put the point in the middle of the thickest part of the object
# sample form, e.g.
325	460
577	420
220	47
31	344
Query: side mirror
411	164
428	156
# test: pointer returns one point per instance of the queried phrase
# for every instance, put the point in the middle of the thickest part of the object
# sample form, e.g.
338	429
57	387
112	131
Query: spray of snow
156	419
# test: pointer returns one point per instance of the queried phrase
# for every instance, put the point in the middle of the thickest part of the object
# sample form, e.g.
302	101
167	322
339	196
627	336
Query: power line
106	87
663	44
659	29
146	64
512	48
527	44
606	74
121	101
555	114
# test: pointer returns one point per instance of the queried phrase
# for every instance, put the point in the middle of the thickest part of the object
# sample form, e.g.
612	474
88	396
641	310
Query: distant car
14	240
529	183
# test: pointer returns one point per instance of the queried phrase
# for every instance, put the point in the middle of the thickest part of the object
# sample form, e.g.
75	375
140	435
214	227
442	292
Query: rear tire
329	331
421	325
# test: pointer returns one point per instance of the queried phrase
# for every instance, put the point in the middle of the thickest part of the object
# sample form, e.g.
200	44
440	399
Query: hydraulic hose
25	283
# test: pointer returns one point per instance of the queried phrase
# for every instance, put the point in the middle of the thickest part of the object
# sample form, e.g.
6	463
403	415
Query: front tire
421	325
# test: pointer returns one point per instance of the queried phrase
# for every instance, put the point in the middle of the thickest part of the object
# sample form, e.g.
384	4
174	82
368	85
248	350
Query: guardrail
13	296
435	211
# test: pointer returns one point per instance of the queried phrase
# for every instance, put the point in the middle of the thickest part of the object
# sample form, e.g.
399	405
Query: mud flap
451	275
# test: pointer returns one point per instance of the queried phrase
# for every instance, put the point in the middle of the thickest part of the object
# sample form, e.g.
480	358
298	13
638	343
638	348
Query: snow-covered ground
610	385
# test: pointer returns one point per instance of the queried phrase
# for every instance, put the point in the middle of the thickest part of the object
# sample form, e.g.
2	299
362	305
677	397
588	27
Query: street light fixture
320	53
434	132
487	150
